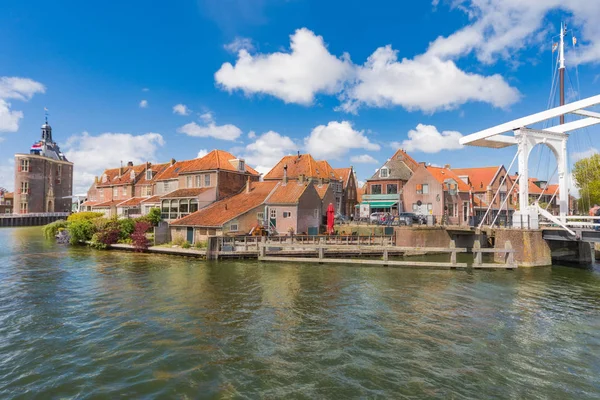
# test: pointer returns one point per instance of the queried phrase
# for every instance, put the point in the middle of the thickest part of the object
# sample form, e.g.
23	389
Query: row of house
6	201
220	194
457	196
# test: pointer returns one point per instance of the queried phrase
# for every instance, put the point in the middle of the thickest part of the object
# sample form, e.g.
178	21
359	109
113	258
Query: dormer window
148	174
242	165
132	175
104	178
384	172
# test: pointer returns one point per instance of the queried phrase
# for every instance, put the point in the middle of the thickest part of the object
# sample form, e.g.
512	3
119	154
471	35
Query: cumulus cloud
209	128
144	104
267	150
202	153
428	139
294	77
424	83
239	43
181	109
580	155
90	158
251	135
363	159
22	89
335	139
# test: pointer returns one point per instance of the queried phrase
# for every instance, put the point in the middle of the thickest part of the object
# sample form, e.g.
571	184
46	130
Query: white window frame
115	191
124	191
242	165
148	174
429	207
234	227
386	174
149	190
273	213
205	178
165	187
425	188
24	187
198	180
287	214
24	165
188	181
260	215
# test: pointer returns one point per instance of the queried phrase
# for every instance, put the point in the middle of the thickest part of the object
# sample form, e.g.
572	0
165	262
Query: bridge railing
55	214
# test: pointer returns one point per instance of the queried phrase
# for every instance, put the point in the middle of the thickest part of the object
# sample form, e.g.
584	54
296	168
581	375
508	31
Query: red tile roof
107	204
304	164
182	193
343	174
288	194
443	174
322	190
479	178
215	160
89	203
153	199
220	212
173	171
132	202
156	170
328	169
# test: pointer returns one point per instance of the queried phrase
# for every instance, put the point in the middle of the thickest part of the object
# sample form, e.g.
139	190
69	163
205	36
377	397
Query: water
79	323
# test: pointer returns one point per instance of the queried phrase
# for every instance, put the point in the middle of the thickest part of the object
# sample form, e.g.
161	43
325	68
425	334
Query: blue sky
348	81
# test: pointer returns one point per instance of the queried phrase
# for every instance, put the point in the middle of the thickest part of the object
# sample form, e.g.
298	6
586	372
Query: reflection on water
75	322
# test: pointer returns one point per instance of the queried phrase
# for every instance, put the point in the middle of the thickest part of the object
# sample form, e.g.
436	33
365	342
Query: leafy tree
140	241
81	231
586	174
154	216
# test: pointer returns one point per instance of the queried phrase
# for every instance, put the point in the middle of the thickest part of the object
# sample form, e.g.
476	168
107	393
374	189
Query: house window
207	180
273	213
148	174
165	187
391	188
24	165
188	181
425	188
429	207
148	190
198	180
465	210
384	172
115	192
502	197
375	189
233	227
450	209
25	187
124	190
242	165
260	216
24	207
287	214
58	173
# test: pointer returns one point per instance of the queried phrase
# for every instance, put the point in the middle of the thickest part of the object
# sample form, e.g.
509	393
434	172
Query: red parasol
330	218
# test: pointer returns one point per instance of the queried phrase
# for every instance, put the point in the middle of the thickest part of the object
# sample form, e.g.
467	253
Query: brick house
383	190
484	183
234	215
304	168
294	207
187	186
439	192
6	202
349	190
43	178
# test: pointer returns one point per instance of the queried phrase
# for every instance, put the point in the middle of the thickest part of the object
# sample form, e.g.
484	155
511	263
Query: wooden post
453	254
477	260
321	249
262	247
385	255
245	243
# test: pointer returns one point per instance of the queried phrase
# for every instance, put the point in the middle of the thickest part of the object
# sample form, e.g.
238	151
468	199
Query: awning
381	204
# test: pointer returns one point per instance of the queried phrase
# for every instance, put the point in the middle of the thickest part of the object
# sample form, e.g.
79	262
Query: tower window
58	173
24	165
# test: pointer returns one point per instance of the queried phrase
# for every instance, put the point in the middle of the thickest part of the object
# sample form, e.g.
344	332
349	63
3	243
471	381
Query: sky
347	81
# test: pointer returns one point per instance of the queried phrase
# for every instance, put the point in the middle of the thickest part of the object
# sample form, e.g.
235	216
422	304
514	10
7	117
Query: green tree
586	174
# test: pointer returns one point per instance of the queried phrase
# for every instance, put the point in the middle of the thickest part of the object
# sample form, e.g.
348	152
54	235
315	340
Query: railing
55	214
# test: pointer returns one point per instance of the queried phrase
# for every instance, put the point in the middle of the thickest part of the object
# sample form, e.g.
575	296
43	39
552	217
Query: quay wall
531	250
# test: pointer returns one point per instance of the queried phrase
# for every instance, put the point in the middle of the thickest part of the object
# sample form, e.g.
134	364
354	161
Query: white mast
561	67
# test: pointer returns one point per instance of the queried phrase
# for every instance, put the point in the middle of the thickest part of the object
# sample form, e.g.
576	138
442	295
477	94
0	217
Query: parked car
406	218
375	217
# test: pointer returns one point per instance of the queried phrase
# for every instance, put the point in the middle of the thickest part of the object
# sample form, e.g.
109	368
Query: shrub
53	228
107	236
126	228
186	245
138	237
179	240
154	216
84	215
201	244
81	231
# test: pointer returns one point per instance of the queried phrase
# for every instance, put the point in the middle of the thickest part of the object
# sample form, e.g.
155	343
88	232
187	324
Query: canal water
79	323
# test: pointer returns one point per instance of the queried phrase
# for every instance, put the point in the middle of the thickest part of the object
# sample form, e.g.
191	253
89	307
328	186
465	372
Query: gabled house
383	190
349	190
484	182
235	215
438	192
294	207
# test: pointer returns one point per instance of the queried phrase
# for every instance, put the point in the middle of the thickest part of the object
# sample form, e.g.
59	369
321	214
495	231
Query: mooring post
453	254
477	261
262	247
510	256
385	255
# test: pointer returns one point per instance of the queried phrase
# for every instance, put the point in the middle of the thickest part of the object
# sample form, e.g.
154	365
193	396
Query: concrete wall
422	236
531	250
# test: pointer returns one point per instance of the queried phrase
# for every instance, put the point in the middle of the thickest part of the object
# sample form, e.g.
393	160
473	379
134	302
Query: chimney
285	179
130	163
447	166
121	169
148	164
298	153
173	161
248	185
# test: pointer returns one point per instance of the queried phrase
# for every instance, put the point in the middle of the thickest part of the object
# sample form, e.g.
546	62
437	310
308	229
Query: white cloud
210	129
267	150
294	77
15	88
335	139
239	43
363	159
90	158
144	104
7	175
580	155
423	83
181	109
251	135
202	153
428	139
